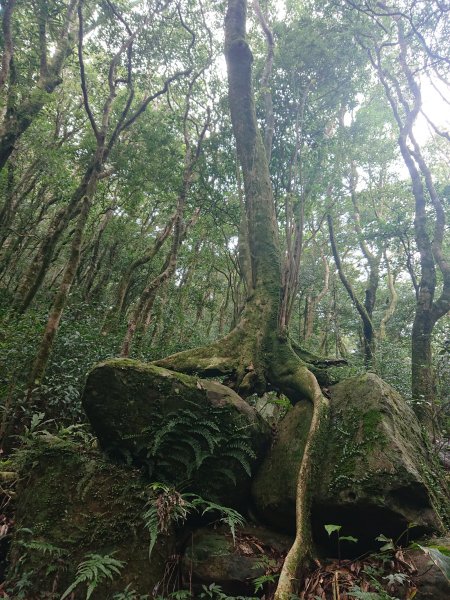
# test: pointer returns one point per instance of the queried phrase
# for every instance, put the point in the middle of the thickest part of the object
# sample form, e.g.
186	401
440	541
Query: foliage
92	571
130	594
271	567
215	592
330	529
333	124
166	506
179	446
441	560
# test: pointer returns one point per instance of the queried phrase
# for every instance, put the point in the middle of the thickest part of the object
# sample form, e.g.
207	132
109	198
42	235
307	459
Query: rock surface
373	470
180	428
71	503
212	556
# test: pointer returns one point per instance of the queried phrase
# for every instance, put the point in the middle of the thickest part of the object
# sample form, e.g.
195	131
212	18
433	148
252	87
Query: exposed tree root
253	362
301	550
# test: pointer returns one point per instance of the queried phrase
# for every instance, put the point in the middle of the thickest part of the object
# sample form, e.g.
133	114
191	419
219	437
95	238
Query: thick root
204	361
232	356
301	549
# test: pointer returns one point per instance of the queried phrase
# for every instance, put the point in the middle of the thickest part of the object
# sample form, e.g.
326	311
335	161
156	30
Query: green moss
371	422
354	437
73	500
274	487
177	427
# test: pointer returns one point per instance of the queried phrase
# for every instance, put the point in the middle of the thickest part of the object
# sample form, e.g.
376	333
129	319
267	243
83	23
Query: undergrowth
186	446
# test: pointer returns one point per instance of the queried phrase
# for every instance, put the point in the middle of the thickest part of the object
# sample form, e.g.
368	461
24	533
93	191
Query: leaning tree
257	354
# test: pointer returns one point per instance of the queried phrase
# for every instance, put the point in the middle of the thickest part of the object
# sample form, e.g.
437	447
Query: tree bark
60	299
404	96
393	300
368	329
256	353
42	258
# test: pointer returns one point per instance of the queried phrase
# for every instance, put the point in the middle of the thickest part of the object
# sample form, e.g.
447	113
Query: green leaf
439	559
349	538
69	589
332	528
388	546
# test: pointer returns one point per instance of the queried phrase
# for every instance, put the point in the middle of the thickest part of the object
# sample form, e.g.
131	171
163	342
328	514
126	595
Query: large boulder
185	431
374	470
212	556
71	503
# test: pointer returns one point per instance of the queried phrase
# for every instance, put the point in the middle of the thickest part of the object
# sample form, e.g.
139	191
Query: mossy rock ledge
72	503
374	472
184	431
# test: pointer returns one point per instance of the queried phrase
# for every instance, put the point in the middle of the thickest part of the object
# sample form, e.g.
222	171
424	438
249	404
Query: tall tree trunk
404	95
256	353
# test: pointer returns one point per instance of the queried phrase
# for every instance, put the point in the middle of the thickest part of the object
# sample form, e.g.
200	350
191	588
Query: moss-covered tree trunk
256	354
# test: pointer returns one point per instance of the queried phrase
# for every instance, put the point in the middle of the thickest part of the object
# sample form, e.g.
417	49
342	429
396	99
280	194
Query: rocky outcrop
374	471
184	430
72	503
374	474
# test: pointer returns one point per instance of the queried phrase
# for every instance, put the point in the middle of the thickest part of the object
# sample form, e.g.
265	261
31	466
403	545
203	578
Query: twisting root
301	548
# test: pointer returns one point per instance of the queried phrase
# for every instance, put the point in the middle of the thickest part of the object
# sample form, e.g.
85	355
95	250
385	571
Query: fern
167	506
93	571
177	447
130	594
44	548
228	473
240	458
243	447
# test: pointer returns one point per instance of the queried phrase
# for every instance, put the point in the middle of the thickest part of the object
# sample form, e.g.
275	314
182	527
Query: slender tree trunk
312	301
148	296
8	47
367	326
38	267
125	283
60	300
19	118
393	300
406	108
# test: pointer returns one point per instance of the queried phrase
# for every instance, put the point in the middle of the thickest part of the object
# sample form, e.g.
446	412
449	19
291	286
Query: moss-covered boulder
275	483
70	504
212	556
374	471
183	430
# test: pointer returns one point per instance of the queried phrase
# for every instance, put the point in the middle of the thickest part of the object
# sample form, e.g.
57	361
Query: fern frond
160	435
93	571
44	547
243	446
228	473
240	458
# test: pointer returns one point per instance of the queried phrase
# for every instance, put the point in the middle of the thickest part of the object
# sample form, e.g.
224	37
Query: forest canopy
256	192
